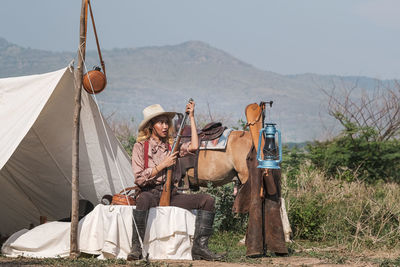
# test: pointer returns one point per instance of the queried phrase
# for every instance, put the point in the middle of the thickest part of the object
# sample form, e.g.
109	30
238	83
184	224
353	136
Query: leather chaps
260	197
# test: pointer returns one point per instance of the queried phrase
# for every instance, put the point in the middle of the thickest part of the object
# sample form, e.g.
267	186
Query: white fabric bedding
106	232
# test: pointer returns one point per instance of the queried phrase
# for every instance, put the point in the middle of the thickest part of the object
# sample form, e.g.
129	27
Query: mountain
220	84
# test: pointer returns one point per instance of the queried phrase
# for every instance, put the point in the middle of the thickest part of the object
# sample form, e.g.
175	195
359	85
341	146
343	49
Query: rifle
165	199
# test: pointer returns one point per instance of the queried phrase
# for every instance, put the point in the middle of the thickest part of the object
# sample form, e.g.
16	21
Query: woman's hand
169	160
190	108
194	140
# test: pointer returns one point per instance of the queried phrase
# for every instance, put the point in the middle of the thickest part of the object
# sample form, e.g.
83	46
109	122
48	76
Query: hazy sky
344	37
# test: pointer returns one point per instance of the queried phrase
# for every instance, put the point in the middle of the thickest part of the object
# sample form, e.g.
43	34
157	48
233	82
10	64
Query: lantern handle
263	108
259	145
262	104
280	146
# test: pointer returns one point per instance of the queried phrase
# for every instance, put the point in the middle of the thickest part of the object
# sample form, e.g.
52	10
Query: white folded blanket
107	232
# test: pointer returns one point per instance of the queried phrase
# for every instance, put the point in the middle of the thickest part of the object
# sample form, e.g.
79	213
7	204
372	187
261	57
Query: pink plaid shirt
157	153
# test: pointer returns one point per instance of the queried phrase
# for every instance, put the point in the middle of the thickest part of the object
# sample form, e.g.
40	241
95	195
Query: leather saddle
211	131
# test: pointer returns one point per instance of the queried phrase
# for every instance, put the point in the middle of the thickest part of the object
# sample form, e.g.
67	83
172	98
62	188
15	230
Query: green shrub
307	215
128	142
225	219
358	153
125	131
292	159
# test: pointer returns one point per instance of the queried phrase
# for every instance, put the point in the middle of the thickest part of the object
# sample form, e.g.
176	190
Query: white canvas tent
36	117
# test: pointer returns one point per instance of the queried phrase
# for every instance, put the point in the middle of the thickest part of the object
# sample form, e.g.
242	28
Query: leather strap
97	39
126	190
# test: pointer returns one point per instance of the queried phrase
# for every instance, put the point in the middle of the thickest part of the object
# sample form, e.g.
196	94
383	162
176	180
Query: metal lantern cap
270	128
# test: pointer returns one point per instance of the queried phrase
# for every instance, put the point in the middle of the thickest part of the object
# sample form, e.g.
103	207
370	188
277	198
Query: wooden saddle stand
260	196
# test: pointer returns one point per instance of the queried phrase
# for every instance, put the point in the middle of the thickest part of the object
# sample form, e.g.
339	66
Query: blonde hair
146	132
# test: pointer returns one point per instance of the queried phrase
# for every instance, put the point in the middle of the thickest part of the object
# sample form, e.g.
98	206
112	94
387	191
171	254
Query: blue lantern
271	160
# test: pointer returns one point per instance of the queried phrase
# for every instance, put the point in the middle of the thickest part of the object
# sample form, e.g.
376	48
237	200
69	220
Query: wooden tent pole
74	250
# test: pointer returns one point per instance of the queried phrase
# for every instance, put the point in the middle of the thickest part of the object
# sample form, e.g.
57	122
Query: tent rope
104	127
112	152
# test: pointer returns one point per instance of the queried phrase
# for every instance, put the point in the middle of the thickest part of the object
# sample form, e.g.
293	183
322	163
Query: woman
151	157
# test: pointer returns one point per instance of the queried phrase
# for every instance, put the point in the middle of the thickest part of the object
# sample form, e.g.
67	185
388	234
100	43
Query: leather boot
203	231
140	217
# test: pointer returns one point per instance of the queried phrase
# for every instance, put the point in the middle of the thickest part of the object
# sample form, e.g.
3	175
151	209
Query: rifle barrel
165	199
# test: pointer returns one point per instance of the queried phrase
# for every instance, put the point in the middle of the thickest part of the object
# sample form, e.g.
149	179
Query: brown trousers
151	198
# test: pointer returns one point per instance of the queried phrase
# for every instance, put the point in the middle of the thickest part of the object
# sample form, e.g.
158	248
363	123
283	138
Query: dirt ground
317	257
336	259
289	261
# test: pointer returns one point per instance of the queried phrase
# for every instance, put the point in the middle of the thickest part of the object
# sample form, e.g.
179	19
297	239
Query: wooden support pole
74	250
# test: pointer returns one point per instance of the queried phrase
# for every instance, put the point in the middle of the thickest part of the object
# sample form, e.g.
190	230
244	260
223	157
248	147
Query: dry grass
123	129
354	214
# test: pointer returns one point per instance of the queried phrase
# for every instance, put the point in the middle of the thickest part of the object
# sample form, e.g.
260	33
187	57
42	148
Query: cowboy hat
153	111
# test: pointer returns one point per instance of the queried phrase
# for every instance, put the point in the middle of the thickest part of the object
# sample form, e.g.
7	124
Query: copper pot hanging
94	81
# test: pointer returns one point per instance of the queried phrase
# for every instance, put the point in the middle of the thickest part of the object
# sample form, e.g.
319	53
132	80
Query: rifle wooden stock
165	198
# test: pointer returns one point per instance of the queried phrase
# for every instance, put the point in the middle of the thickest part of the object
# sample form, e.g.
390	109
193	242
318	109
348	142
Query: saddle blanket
217	144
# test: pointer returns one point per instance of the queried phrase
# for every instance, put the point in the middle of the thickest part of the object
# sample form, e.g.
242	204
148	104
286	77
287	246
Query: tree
368	147
378	108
